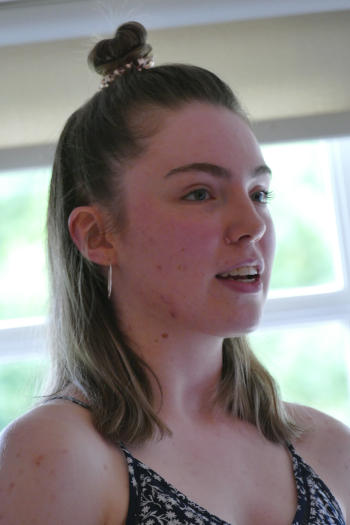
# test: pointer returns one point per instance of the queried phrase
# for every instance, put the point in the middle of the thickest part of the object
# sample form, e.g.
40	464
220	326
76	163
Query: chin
243	328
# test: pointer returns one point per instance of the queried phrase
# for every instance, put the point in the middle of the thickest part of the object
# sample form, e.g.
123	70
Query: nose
245	223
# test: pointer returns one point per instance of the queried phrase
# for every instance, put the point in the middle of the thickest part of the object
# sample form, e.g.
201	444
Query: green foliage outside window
309	363
302	209
20	382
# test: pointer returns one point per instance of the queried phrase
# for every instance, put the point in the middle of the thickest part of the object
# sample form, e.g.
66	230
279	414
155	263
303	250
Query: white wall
281	67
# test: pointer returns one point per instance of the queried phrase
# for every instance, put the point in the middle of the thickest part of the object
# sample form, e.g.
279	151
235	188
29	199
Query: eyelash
267	195
194	192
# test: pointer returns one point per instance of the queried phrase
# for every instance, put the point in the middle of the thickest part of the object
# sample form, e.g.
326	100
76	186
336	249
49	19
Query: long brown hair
89	350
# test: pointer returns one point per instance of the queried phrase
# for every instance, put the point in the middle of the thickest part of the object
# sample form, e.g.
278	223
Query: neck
188	368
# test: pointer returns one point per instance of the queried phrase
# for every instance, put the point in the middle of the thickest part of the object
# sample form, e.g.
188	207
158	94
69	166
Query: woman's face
196	211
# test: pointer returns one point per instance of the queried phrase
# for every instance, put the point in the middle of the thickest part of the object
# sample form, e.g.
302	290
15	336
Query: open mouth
245	274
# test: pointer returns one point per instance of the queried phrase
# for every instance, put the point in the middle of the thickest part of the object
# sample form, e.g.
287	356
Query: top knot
112	56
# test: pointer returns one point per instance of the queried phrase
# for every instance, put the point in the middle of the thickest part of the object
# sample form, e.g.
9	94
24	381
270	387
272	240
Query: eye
262	196
198	195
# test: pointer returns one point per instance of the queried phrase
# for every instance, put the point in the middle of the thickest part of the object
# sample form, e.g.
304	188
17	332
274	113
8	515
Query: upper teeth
244	270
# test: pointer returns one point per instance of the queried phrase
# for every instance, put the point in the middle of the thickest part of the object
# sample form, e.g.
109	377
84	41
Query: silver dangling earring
109	282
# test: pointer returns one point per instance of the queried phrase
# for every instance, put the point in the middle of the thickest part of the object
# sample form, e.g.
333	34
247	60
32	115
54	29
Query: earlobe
87	228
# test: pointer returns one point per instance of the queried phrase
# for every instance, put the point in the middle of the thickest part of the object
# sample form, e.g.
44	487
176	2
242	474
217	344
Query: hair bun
127	46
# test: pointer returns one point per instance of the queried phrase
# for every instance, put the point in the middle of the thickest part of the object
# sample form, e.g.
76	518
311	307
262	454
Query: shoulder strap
72	399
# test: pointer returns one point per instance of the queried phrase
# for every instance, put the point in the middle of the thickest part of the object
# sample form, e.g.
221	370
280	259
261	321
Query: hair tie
141	63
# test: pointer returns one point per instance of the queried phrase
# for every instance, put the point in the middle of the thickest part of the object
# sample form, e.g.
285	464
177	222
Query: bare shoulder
55	468
321	431
325	445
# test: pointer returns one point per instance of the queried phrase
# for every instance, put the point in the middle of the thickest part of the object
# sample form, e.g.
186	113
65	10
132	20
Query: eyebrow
215	170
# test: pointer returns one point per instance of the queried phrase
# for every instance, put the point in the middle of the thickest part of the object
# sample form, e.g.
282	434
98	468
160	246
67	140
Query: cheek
162	235
174	255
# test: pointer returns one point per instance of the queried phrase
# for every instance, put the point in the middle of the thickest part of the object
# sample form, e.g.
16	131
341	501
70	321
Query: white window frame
25	338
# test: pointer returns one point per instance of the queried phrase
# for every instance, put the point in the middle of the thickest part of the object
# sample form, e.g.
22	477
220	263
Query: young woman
160	248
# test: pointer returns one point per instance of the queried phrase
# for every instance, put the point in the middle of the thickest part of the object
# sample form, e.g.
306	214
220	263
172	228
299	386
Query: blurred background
288	62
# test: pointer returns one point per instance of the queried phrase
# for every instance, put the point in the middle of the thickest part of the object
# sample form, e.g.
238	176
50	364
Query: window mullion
306	309
22	342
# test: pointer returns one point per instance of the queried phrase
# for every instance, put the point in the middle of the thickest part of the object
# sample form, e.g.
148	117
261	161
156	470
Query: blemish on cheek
38	460
173	315
11	486
156	340
159	267
165	336
52	472
18	455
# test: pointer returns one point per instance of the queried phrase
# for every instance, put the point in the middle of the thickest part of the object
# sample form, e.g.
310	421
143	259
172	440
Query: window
23	288
20	381
23	281
304	338
311	362
308	253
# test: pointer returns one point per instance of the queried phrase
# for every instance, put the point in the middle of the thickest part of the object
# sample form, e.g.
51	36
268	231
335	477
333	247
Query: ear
87	228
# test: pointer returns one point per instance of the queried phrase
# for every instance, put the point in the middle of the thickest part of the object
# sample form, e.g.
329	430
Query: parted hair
89	350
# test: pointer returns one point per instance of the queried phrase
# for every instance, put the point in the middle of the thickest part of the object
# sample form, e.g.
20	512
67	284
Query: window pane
311	363
303	211
19	383
23	281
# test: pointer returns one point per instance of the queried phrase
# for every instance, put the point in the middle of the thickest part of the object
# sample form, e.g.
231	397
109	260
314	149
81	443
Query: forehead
202	132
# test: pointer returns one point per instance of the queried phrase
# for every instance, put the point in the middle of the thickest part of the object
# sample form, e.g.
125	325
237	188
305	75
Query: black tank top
154	501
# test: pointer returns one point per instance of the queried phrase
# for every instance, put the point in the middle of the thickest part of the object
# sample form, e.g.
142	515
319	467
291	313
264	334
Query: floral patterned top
154	501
